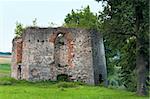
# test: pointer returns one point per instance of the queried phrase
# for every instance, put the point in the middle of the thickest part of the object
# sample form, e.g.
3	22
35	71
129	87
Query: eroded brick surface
16	56
45	53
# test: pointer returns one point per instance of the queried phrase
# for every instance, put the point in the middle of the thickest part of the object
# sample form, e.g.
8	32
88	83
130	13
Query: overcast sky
45	11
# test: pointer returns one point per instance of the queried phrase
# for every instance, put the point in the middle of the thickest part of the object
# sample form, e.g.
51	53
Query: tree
82	18
19	29
126	21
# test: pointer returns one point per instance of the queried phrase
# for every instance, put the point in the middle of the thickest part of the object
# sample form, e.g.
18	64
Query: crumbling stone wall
49	52
17	57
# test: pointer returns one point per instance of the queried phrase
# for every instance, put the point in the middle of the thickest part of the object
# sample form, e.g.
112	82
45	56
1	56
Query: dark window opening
63	77
59	65
100	78
42	41
19	71
61	43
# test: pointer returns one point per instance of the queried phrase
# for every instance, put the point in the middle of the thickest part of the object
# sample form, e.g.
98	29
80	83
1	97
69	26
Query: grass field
5	60
14	89
4	70
5	66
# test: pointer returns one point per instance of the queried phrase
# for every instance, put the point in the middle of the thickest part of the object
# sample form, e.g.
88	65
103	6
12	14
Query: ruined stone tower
47	53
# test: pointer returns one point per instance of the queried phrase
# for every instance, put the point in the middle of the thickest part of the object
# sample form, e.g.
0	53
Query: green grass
5	66
13	89
4	70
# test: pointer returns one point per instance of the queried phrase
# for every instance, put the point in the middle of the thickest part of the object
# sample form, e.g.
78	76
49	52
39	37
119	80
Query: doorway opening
100	79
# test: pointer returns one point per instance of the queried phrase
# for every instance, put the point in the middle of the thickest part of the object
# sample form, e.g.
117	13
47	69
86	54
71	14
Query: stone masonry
46	53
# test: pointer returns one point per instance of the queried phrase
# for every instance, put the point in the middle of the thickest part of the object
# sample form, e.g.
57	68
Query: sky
46	11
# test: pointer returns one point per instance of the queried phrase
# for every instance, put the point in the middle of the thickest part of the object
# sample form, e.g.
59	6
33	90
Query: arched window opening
60	51
61	38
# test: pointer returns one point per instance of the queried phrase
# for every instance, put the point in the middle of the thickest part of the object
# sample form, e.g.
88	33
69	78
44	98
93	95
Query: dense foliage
82	18
125	24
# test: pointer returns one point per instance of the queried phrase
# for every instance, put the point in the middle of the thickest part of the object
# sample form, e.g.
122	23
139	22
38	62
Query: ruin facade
48	53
